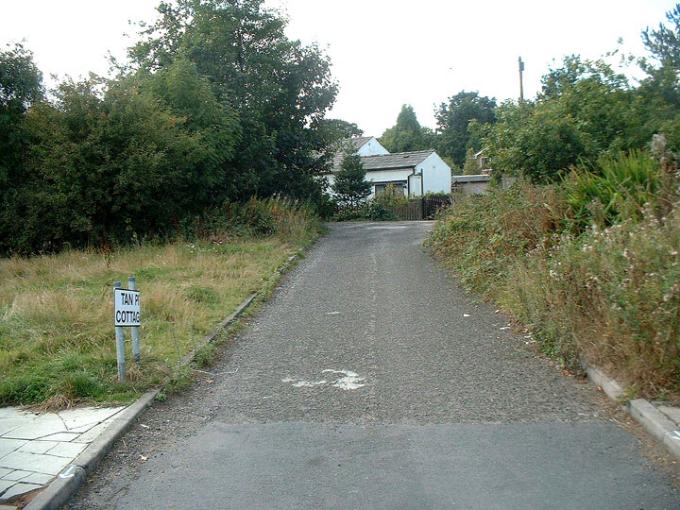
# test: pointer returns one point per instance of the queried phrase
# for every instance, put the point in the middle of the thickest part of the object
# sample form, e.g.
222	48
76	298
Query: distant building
483	162
413	173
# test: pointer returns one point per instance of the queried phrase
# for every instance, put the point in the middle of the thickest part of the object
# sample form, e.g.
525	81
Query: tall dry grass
608	292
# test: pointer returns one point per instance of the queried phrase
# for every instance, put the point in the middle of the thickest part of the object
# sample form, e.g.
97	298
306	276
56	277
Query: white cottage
414	173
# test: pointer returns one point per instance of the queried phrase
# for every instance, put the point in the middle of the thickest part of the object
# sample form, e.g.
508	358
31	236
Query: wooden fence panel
431	205
412	211
419	209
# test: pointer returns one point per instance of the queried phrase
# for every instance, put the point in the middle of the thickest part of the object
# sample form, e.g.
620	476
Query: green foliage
20	87
279	87
453	120
218	105
407	134
664	42
20	80
585	110
480	236
390	197
103	168
350	185
617	189
471	167
372	211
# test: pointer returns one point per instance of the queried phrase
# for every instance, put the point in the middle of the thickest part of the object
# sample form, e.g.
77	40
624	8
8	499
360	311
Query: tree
453	119
471	167
108	162
280	88
407	134
20	87
664	42
337	130
350	185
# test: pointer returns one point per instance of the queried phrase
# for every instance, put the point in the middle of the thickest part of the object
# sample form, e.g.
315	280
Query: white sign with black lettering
127	308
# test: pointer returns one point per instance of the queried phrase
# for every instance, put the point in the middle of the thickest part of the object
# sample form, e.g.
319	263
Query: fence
413	210
419	209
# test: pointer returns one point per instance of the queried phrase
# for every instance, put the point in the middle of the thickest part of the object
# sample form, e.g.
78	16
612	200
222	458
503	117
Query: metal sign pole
120	345
136	347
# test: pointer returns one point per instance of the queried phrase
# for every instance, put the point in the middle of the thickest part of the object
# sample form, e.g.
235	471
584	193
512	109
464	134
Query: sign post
126	314
136	348
120	340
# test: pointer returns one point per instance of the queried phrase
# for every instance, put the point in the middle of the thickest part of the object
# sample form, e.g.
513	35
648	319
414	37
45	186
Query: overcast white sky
385	53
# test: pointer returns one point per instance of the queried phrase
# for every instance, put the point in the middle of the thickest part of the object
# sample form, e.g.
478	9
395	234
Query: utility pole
521	79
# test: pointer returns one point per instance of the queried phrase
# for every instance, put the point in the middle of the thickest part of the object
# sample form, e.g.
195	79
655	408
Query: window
397	188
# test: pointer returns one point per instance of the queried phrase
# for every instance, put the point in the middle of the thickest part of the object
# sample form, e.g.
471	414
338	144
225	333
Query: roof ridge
399	153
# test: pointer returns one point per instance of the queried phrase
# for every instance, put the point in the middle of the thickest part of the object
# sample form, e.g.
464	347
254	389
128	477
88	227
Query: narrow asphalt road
372	381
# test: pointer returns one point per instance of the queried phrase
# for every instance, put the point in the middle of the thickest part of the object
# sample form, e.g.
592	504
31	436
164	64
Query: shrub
616	189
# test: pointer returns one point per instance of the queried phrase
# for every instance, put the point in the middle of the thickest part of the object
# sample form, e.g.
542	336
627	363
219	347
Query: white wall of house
436	174
372	148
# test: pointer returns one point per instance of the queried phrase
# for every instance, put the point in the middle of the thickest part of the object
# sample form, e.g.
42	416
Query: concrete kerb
653	420
73	476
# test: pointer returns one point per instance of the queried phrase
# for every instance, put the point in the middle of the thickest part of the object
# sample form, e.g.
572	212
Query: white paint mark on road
309	384
332	313
466	315
505	327
349	381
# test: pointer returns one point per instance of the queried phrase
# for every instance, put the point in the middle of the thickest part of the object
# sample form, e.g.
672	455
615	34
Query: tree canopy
664	42
453	121
215	104
587	110
407	134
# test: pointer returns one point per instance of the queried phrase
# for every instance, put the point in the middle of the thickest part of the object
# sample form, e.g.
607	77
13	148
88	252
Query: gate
432	205
420	208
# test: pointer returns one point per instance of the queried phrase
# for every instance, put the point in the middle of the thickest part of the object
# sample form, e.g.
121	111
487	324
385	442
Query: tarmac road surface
372	381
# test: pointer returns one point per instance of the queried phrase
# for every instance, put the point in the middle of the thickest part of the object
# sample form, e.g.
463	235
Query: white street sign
127	309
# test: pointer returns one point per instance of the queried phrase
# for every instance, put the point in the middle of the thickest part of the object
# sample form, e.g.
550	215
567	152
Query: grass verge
57	342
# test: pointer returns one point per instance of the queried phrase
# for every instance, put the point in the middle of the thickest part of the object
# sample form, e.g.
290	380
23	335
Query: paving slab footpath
36	447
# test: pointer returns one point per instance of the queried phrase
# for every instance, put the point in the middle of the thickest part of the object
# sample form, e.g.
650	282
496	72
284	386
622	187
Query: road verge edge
656	423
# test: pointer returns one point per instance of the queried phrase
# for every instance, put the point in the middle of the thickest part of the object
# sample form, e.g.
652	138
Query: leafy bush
375	210
390	197
617	188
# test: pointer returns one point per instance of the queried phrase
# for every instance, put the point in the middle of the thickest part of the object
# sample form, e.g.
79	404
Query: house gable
369	146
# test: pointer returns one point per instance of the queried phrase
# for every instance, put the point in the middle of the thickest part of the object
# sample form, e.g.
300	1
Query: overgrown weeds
591	266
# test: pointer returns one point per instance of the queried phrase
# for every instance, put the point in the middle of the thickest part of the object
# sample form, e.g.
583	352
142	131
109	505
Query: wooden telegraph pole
521	79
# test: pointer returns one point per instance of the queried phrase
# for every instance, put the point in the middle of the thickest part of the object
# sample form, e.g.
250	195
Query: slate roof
360	141
357	142
394	161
